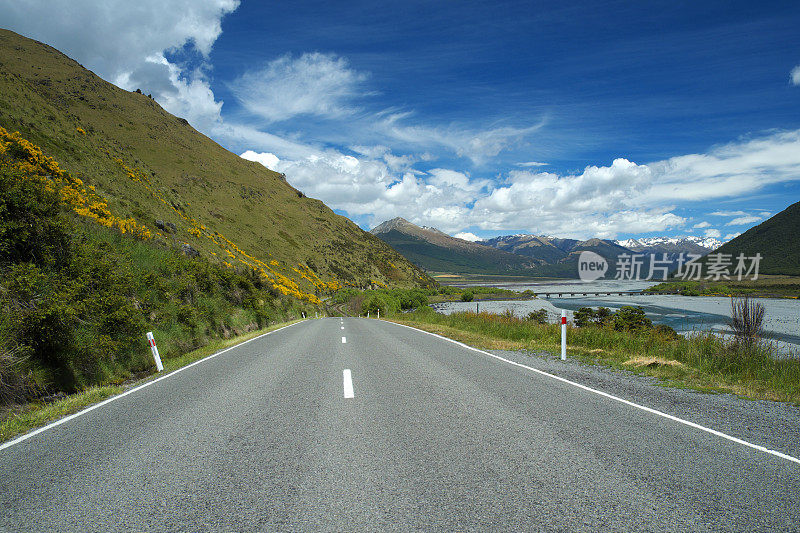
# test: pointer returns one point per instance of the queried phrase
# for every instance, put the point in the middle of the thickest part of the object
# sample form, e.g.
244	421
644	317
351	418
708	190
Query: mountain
559	257
546	249
672	245
177	185
777	239
436	251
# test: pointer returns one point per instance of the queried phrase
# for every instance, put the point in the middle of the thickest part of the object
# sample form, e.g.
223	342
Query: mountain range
436	251
689	244
522	254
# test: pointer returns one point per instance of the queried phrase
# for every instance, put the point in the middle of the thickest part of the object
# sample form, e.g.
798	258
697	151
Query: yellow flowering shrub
83	200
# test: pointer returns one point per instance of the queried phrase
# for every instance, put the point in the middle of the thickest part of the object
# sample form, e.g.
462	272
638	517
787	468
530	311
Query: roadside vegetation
742	364
79	292
764	287
19	419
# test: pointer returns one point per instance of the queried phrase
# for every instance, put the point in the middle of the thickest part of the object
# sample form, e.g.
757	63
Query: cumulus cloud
597	189
730	236
126	42
600	201
713	233
267	159
312	84
794	75
467	236
369	187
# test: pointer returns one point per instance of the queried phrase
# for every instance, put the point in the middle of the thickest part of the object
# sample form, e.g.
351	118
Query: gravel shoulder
774	425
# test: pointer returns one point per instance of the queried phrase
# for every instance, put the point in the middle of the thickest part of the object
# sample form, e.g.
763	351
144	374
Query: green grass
24	418
703	361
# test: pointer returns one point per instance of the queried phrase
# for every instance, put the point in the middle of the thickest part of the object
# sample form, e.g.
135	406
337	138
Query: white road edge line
60	421
618	399
347	378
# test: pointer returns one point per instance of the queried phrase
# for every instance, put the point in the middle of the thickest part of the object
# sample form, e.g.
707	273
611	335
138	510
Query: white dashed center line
348	383
344	340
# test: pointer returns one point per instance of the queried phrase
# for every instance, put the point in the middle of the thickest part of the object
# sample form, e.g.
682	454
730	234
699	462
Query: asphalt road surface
362	425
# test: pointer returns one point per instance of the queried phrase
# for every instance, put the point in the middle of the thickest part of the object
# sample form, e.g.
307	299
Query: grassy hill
149	165
776	239
117	218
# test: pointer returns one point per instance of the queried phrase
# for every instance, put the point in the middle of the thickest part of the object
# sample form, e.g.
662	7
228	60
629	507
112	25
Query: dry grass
651	362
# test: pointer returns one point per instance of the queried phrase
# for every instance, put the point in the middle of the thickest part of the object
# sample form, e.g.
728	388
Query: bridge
561	294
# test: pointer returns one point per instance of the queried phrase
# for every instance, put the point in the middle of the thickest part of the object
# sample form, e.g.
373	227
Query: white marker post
379	313
367	314
304	314
153	348
563	335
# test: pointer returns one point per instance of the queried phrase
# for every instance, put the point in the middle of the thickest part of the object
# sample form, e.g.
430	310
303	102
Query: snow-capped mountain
689	244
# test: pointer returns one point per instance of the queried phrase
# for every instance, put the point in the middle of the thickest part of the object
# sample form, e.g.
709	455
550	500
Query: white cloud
267	159
731	170
467	236
713	233
730	236
741	221
728	213
765	214
532	164
125	42
478	145
312	84
602	201
794	75
597	189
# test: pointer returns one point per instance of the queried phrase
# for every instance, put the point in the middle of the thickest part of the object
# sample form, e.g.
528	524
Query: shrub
467	296
630	318
666	331
374	302
538	317
747	317
585	316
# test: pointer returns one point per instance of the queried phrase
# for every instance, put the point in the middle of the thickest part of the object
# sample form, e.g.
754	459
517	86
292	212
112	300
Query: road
434	437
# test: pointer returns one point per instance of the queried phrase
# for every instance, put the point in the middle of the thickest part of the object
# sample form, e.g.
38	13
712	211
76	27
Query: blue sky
610	119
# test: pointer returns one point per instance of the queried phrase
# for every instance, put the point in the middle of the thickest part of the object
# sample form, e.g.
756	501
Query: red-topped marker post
563	335
153	348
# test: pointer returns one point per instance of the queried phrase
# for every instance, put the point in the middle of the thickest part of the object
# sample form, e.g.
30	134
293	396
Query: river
685	314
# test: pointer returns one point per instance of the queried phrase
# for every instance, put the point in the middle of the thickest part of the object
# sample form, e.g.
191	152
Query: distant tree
467	296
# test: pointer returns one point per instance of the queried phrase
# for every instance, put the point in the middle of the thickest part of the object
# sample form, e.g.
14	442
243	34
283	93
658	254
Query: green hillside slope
149	165
776	239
